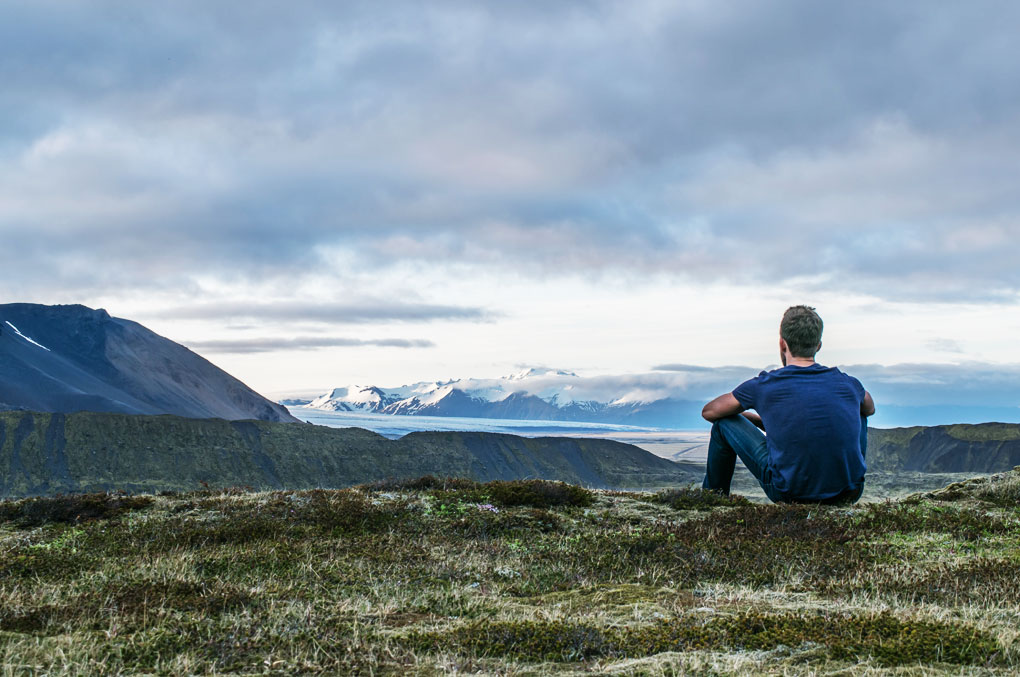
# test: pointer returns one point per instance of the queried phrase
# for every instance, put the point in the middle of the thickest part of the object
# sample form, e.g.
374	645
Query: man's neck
792	361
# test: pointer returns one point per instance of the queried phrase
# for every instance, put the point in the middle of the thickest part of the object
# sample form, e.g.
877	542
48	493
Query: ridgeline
47	454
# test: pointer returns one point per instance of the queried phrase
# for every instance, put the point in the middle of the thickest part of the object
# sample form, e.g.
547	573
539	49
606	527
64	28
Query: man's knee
725	422
717	435
719	432
726	429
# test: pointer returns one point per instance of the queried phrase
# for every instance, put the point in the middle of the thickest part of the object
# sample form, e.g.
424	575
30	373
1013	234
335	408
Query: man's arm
721	407
867	405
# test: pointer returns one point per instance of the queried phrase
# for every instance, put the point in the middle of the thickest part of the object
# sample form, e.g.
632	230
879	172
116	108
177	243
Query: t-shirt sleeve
858	388
747	392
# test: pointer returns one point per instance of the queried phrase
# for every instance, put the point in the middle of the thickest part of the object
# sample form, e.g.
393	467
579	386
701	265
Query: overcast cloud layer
146	145
404	190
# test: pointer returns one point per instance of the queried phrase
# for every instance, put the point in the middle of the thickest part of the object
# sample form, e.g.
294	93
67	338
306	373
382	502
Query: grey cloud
329	313
146	145
268	345
972	383
684	368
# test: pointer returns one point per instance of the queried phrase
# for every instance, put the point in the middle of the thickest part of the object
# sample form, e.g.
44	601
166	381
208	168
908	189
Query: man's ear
782	345
819	346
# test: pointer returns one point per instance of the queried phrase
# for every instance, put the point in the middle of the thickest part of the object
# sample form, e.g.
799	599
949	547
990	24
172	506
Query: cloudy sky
314	194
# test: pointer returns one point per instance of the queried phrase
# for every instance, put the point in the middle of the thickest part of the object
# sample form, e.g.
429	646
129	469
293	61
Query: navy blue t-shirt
812	419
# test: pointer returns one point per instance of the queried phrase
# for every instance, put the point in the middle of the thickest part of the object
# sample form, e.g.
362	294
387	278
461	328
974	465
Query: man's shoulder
843	374
820	379
815	373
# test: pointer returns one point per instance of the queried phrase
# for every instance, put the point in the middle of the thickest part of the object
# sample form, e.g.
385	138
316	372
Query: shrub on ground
537	493
696	499
424	483
505	493
33	512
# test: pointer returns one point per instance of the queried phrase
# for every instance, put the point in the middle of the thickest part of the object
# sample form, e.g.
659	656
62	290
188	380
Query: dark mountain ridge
979	448
73	358
44	454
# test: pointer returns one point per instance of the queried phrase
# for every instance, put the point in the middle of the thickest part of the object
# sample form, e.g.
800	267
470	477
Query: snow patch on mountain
33	342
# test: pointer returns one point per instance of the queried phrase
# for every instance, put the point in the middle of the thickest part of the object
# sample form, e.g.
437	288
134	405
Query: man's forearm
721	407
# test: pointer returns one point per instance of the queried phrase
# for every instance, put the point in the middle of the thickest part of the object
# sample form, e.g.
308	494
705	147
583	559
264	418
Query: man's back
813	418
812	415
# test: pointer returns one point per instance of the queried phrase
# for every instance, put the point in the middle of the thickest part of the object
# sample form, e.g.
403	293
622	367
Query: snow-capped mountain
533	394
354	398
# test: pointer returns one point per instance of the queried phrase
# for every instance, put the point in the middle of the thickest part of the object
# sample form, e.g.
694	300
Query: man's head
801	328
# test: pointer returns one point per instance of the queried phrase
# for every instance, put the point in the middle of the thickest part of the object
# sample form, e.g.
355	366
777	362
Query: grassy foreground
528	577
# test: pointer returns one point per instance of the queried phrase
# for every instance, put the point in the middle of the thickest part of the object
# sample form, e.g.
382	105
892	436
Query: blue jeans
736	436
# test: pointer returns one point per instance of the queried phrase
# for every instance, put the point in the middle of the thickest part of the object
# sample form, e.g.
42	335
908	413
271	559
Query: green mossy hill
47	454
979	448
432	575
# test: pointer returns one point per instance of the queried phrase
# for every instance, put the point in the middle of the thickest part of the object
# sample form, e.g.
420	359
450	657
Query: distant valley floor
676	445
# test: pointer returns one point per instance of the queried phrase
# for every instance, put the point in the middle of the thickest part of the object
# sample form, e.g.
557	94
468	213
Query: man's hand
721	407
754	418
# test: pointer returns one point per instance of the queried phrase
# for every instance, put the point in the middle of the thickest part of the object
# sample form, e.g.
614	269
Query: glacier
532	394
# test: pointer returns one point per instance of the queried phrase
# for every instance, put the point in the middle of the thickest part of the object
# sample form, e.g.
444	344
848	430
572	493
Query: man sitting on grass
815	417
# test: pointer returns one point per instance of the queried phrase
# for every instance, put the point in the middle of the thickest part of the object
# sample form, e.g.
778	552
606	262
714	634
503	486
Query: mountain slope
73	358
983	447
53	453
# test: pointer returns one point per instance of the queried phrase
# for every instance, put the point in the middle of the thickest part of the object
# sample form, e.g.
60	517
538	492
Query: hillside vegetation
46	454
978	448
433	576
